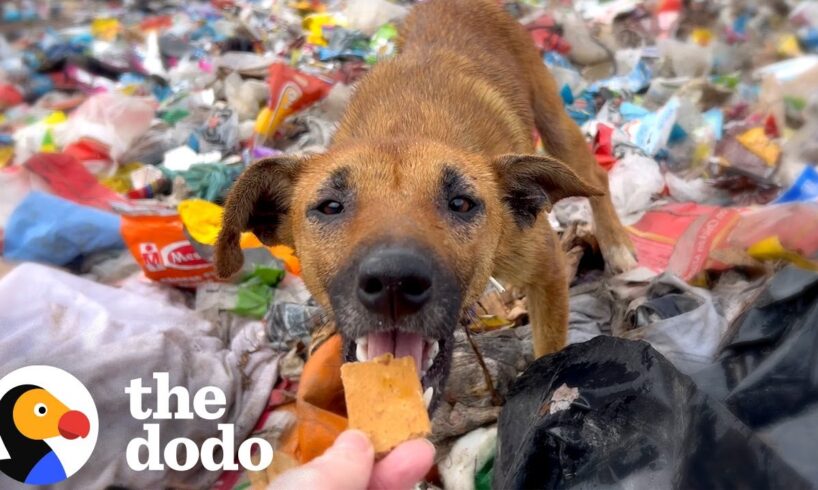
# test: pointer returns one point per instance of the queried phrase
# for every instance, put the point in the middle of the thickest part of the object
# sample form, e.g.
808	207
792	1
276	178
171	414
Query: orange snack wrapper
160	247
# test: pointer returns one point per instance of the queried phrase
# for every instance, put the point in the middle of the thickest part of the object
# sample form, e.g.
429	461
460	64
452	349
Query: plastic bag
319	405
245	96
16	183
256	291
48	229
220	132
368	15
687	239
778	232
804	189
107	336
614	413
113	119
67	178
680	237
634	181
160	247
293	315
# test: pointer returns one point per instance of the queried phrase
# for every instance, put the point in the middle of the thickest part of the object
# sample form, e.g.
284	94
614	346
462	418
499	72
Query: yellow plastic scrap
788	46
492	322
6	153
105	28
757	142
56	117
701	36
268	120
121	180
314	25
203	220
264	122
771	248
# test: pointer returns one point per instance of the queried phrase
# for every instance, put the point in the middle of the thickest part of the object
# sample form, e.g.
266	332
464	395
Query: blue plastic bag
804	189
48	229
634	82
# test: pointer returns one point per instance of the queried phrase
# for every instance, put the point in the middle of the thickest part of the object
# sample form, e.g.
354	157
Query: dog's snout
394	282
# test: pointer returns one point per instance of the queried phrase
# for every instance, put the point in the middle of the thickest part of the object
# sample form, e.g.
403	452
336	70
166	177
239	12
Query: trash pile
123	127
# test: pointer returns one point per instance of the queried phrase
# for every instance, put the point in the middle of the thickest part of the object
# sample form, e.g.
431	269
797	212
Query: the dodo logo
48	425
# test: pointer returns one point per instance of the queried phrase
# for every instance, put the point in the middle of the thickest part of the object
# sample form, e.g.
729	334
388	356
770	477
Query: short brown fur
467	90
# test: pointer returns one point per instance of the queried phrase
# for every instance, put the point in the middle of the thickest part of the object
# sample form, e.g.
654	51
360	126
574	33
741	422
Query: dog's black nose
394	281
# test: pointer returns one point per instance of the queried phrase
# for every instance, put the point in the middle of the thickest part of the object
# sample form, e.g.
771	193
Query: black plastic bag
636	422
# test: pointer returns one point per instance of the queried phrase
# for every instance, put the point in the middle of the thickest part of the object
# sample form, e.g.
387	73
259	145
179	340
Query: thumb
346	465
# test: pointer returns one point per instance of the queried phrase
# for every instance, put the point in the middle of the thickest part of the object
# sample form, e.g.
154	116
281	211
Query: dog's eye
461	204
330	207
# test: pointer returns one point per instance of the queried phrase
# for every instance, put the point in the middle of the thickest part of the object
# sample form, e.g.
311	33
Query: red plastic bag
9	95
680	237
687	238
69	179
544	32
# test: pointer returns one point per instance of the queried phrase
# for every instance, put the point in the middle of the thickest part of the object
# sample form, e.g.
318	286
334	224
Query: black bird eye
40	409
461	204
330	207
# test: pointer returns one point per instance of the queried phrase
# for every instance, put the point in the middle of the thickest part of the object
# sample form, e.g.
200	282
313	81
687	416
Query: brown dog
430	187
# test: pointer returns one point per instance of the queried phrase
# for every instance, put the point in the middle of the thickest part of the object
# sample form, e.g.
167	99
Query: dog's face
395	238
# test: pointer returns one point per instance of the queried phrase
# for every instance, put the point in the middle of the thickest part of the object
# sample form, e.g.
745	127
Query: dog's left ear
259	201
533	183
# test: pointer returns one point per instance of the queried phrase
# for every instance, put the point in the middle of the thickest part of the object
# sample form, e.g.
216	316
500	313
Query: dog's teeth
427	396
434	349
360	352
362	341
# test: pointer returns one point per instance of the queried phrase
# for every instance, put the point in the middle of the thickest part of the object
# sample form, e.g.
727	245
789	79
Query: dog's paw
618	259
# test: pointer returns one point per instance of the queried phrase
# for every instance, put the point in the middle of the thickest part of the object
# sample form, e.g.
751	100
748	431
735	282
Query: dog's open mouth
423	350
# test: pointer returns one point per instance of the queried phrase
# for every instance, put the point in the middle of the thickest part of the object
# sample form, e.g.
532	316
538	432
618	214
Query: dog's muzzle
399	299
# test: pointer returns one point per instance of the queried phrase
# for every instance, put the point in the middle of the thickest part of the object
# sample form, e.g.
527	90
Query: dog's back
461	77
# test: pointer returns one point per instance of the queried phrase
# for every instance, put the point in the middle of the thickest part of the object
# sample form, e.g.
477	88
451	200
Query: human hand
350	465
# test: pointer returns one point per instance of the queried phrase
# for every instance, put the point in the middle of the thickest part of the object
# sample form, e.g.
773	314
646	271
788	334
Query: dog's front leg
548	305
538	266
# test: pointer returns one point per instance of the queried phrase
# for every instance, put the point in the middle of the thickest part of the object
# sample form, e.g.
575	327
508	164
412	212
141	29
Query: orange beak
74	424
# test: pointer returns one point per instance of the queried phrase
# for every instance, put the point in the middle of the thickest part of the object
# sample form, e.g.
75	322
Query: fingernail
353	440
429	443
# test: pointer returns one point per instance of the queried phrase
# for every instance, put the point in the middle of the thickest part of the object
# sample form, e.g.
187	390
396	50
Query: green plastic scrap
270	276
173	116
256	291
382	43
209	181
482	480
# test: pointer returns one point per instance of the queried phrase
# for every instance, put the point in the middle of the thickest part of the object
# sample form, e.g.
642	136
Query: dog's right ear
259	202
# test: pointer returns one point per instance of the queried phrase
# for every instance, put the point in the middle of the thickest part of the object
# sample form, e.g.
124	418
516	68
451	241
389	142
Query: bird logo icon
45	427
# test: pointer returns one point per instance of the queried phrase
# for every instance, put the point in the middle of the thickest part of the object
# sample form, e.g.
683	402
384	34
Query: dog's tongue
399	344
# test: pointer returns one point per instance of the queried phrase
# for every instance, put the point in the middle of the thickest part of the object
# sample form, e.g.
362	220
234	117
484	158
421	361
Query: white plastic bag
634	181
113	119
368	15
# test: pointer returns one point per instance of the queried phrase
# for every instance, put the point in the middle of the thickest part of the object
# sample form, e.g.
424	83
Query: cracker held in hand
384	400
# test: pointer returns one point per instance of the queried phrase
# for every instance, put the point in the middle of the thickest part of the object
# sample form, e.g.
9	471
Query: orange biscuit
384	400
